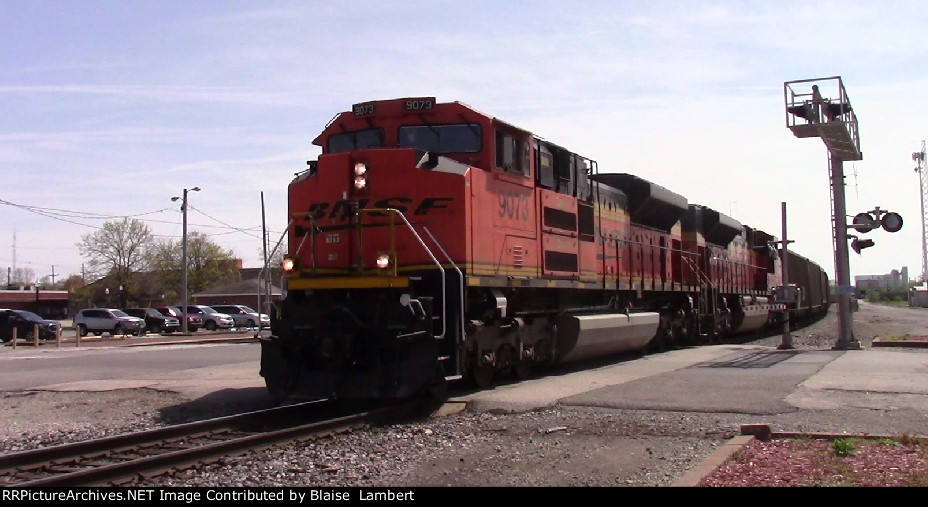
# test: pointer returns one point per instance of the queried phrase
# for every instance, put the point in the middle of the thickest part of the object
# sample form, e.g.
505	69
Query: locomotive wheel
670	339
483	376
656	345
726	326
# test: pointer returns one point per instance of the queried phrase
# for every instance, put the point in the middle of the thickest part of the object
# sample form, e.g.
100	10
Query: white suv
244	316
107	320
212	319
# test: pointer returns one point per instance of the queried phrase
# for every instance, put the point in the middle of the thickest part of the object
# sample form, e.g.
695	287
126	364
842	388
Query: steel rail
90	462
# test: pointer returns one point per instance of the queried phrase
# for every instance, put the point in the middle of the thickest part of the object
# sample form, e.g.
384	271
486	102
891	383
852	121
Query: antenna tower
919	158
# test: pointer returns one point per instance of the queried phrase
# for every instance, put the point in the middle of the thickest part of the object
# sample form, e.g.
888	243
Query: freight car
430	242
813	296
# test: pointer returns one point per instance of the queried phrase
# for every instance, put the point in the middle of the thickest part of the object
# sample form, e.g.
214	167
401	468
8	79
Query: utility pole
267	275
789	295
53	275
183	208
919	158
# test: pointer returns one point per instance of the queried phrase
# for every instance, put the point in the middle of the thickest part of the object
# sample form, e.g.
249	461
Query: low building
918	297
49	304
894	280
244	292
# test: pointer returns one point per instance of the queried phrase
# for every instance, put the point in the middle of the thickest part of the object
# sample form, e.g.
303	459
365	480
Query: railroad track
126	458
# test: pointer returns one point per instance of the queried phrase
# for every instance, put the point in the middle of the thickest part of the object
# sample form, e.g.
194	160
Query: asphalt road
27	368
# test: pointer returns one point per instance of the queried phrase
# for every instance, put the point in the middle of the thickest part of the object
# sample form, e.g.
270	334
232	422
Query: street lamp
183	208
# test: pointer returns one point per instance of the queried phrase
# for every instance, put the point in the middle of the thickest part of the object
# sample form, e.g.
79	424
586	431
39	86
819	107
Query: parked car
194	322
107	320
212	319
24	322
243	315
154	321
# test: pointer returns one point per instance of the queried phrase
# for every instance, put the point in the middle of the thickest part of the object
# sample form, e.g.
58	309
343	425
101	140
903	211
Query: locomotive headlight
288	264
383	261
360	169
360	182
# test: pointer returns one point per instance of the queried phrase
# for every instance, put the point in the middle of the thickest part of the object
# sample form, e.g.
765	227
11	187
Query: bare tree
22	276
275	260
117	249
72	283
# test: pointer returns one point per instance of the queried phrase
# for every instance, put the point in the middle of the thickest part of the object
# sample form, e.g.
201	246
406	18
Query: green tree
164	261
117	250
207	264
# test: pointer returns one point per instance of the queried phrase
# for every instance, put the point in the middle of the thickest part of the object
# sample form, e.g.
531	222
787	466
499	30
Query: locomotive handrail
312	243
264	268
460	341
415	234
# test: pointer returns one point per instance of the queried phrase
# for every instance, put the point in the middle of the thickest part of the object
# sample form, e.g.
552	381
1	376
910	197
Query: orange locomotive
431	242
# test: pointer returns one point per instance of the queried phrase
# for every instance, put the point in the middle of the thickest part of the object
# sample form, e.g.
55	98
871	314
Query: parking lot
69	338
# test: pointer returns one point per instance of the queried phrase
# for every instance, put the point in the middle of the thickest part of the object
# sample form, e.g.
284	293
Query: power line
81	214
243	231
63	215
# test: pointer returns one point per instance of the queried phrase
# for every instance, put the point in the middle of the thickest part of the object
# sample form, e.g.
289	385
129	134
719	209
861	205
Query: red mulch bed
807	462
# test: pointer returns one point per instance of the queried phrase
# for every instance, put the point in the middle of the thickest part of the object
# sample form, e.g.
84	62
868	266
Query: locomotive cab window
511	153
460	138
545	161
583	167
359	139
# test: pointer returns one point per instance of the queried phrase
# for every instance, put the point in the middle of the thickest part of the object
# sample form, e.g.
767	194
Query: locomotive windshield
356	140
460	138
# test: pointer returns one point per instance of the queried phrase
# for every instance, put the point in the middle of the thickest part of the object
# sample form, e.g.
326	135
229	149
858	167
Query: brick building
49	304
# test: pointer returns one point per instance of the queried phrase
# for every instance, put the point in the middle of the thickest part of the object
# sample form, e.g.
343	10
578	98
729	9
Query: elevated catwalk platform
820	108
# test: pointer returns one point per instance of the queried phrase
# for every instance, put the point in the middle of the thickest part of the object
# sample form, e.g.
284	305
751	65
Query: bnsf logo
341	210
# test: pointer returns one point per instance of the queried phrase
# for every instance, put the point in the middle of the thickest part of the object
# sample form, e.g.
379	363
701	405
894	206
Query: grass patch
843	446
896	304
896	337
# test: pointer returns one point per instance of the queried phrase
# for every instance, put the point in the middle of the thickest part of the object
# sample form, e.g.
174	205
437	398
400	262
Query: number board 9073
419	104
363	109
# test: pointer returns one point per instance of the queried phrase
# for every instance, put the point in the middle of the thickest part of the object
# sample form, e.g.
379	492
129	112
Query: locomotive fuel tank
586	336
756	315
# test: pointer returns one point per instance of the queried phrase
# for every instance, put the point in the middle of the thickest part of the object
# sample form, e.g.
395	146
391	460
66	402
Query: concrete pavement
886	389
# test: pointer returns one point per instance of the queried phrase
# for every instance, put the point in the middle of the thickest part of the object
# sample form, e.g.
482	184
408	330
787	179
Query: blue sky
111	108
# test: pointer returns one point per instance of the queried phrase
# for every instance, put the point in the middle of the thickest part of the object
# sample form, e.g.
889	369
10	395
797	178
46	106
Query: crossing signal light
835	110
860	244
804	111
864	222
891	222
